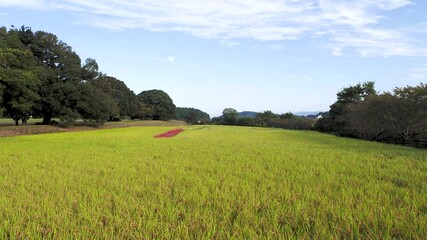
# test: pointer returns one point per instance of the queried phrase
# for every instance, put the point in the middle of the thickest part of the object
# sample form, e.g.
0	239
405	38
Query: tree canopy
157	105
192	115
42	76
398	116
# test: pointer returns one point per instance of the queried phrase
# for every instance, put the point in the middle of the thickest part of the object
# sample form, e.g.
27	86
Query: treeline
41	76
360	111
192	115
288	120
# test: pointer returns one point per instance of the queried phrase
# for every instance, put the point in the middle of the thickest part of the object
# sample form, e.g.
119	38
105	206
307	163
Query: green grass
10	121
209	182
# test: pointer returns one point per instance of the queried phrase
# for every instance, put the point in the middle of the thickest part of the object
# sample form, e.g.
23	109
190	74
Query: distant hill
304	114
252	114
248	114
318	115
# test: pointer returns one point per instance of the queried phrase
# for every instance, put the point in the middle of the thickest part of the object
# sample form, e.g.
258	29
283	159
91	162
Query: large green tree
192	115
337	120
95	105
125	99
230	116
18	81
157	105
58	92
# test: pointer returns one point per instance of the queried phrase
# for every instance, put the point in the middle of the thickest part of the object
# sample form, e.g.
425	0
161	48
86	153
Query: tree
60	76
230	116
400	115
157	105
337	121
18	84
95	105
287	115
191	115
125	99
245	121
366	118
407	112
263	119
90	70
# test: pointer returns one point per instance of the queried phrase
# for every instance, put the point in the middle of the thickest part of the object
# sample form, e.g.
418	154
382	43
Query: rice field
209	182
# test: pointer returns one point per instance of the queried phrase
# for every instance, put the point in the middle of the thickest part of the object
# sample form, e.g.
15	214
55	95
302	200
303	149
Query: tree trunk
47	118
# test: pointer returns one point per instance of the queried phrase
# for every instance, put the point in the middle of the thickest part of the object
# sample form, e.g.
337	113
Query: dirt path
10	131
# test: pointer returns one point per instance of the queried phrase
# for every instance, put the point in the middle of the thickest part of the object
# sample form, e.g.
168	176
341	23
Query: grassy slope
210	182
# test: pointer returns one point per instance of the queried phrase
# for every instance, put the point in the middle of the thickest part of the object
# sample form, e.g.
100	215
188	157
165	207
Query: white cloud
337	51
345	23
37	4
171	59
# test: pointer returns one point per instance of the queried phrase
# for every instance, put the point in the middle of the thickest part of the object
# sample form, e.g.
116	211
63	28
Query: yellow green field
209	182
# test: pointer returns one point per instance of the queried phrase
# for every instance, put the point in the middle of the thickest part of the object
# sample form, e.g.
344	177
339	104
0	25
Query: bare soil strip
10	131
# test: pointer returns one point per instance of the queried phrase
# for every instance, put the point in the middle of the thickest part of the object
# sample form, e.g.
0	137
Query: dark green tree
125	98
230	116
157	105
60	76
337	121
263	119
90	70
95	105
407	112
192	115
18	82
288	115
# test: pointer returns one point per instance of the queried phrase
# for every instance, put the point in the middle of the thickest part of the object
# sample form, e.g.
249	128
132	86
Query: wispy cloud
337	51
36	4
344	24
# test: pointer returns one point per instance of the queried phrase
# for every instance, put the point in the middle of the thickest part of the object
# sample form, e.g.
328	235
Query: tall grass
209	182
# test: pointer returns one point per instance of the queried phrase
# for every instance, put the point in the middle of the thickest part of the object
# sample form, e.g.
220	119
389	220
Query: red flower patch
169	134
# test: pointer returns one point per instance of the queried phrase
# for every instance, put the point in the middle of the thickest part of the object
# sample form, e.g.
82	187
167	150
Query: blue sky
279	55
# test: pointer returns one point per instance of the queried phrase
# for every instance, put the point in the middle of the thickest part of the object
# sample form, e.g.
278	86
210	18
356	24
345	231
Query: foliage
400	116
126	100
267	119
209	182
96	105
192	115
18	84
160	105
263	119
42	76
229	116
288	115
338	119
